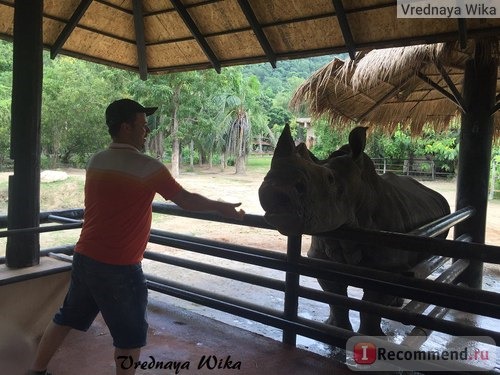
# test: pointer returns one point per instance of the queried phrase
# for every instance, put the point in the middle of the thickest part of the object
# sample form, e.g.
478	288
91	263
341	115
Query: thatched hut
411	86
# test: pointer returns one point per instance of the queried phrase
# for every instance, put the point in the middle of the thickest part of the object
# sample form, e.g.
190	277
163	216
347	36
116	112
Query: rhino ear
357	141
285	146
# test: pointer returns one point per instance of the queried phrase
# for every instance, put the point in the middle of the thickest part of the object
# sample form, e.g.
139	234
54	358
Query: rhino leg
339	315
370	323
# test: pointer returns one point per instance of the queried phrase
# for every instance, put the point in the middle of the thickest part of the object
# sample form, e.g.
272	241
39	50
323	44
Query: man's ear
126	126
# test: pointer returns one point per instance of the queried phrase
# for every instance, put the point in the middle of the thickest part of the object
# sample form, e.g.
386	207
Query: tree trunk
175	130
155	144
240	157
191	154
240	164
222	161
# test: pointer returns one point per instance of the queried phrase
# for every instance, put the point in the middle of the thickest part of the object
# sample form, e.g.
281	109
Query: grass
56	195
259	163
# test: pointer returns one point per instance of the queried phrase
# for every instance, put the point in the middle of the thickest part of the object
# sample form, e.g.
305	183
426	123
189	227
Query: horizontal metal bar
73	213
481	252
66	249
399	315
464	299
418	335
249	220
253	279
62	219
239	248
448	276
223	252
435	246
443	224
48	228
426	267
329	335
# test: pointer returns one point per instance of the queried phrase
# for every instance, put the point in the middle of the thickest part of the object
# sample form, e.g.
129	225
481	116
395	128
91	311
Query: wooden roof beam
434	85
257	29
140	40
458	97
68	29
345	28
495	108
382	100
462	32
184	14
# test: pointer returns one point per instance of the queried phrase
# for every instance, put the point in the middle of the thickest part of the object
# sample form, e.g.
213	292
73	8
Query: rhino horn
285	146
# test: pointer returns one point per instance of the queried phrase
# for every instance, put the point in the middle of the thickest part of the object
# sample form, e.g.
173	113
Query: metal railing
418	167
294	265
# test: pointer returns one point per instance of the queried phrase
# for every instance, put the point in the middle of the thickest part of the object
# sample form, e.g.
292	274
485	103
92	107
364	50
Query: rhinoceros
302	194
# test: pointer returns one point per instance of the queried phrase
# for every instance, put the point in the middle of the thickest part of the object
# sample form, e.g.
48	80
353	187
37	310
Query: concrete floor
178	337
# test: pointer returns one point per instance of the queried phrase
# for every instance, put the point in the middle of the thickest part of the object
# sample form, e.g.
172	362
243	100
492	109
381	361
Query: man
121	183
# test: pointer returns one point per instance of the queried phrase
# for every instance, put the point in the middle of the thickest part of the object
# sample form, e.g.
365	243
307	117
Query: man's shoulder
126	161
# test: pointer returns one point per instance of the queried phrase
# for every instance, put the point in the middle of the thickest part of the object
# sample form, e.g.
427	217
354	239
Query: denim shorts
119	292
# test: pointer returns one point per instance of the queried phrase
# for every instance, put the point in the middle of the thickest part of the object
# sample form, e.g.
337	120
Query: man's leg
51	340
125	360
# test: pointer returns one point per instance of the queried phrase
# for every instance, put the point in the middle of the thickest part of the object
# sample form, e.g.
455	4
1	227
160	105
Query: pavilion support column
23	250
475	150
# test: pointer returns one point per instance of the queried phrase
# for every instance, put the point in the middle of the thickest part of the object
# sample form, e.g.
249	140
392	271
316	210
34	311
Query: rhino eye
330	178
301	188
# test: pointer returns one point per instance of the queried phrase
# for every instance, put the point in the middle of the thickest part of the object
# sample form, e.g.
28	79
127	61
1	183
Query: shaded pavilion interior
153	37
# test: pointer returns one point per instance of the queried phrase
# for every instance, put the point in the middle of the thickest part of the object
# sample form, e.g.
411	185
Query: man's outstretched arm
197	202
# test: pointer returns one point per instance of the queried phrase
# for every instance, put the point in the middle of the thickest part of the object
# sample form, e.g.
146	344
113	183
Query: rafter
382	100
495	108
140	39
184	14
345	28
451	85
257	29
434	85
68	29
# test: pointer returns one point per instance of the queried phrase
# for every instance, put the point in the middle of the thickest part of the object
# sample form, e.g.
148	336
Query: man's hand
229	210
196	202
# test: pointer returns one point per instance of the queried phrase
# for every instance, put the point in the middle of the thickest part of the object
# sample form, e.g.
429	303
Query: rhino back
406	204
392	203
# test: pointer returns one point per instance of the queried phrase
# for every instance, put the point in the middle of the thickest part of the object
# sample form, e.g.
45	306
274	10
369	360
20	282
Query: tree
327	139
72	114
242	107
5	99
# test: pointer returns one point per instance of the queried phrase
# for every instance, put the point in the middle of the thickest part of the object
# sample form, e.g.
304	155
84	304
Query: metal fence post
292	282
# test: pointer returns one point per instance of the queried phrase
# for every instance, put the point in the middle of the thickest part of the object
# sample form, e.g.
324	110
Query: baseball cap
123	109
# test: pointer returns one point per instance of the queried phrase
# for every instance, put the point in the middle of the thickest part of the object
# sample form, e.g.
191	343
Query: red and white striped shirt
120	186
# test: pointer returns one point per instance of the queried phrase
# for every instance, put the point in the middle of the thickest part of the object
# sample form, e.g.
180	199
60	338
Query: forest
203	117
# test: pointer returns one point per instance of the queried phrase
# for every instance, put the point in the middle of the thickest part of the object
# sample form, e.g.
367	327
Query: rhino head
301	194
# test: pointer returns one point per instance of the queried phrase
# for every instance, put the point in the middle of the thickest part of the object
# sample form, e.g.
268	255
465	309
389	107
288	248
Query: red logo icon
365	353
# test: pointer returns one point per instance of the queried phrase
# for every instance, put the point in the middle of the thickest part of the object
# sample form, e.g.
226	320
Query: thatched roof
387	87
154	36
